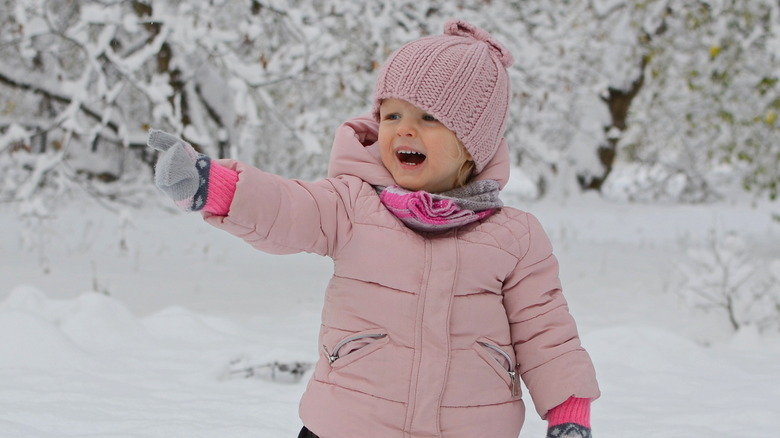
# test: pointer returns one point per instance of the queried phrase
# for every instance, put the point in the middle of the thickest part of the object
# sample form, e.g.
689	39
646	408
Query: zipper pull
515	383
331	358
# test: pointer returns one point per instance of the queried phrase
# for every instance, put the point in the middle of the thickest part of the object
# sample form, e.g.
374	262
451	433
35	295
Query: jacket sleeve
551	360
284	216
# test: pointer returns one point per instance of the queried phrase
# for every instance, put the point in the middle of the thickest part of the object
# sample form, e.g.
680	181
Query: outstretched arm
283	216
274	214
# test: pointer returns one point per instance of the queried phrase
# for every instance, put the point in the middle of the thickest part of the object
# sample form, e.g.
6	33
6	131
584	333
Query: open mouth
411	158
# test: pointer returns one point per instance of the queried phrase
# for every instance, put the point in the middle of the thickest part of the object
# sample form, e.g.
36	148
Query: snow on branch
725	277
600	87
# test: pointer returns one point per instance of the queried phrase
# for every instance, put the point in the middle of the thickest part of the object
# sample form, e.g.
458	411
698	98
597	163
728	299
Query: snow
133	330
13	134
134	323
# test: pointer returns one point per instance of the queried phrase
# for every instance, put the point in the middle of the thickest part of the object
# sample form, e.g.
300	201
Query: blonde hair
466	170
465	173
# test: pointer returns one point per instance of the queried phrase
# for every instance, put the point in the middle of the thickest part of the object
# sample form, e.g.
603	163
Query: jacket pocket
502	362
368	362
354	347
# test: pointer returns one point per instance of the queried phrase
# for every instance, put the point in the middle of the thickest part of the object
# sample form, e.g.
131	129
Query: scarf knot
435	212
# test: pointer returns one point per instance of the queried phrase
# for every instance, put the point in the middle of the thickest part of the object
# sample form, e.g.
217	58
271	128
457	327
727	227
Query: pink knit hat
460	78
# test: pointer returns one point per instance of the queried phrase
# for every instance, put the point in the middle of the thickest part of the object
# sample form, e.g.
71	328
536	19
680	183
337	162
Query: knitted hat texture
460	78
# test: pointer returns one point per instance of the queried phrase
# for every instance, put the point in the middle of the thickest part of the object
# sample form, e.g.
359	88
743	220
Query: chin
408	185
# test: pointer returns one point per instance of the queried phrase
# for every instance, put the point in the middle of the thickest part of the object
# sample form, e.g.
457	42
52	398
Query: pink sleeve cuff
574	410
222	188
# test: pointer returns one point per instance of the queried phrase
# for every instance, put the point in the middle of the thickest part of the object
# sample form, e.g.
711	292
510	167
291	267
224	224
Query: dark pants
306	433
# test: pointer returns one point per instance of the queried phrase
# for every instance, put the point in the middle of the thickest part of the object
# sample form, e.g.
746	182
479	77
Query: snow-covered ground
125	325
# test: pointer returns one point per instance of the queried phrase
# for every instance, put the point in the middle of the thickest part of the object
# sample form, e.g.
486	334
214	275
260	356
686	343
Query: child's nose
407	129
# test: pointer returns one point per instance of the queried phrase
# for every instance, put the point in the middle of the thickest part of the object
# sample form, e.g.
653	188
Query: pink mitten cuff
574	410
222	188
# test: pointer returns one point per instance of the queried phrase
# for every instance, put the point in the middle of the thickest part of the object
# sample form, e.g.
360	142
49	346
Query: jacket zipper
513	377
335	356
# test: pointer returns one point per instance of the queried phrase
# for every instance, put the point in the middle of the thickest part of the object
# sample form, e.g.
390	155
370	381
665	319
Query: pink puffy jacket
422	335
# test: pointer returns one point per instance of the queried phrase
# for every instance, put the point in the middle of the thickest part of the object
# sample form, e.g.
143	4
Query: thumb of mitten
162	141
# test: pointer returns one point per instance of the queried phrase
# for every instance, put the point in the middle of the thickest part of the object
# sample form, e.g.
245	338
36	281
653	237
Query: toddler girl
441	298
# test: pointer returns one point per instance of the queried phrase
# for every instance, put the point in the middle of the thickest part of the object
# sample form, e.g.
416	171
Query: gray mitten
569	430
181	172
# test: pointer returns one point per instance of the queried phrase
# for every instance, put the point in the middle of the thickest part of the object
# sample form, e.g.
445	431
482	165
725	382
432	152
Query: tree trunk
618	101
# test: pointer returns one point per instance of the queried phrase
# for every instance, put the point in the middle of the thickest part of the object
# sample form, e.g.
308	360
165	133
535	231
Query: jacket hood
355	152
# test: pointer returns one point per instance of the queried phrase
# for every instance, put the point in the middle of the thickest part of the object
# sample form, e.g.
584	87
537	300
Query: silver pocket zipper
335	355
513	377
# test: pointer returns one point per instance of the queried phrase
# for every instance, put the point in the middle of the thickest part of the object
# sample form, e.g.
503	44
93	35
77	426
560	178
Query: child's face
418	150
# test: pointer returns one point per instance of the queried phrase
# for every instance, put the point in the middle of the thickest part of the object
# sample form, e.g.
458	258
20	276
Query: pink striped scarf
431	212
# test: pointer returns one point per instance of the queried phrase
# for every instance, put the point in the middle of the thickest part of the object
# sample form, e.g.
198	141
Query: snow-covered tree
723	276
646	97
709	101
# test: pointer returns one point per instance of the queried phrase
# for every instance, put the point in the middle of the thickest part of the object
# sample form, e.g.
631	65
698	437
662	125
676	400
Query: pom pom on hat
464	29
460	78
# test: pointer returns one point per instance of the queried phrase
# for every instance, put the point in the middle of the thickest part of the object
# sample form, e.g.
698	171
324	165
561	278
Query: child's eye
392	116
429	118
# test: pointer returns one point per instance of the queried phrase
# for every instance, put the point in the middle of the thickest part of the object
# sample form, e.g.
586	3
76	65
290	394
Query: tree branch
36	89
